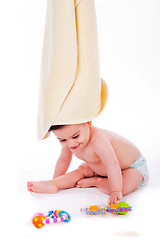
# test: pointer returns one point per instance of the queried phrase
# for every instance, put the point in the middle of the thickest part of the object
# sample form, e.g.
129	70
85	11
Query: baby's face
74	136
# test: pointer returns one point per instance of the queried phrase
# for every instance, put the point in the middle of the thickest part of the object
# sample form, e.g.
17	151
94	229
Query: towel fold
71	90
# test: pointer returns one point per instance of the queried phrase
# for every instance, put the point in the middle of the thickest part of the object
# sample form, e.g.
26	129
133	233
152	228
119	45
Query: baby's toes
78	184
29	189
29	184
81	183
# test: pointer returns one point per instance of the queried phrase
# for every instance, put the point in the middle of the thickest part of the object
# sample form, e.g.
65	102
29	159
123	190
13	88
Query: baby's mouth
76	147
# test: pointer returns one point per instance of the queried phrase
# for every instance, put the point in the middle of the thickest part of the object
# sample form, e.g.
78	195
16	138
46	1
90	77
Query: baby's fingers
114	197
119	197
112	200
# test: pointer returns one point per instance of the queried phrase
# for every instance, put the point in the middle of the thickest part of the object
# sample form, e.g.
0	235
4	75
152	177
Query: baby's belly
99	169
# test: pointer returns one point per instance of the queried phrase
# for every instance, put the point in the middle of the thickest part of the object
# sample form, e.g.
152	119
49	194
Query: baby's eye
76	136
63	140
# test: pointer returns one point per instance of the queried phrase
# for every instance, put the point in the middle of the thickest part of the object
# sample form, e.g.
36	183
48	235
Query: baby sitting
111	163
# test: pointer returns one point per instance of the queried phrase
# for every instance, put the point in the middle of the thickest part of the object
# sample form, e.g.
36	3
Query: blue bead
68	216
122	209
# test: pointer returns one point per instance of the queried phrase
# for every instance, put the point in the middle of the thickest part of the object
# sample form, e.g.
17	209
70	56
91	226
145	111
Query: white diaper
141	165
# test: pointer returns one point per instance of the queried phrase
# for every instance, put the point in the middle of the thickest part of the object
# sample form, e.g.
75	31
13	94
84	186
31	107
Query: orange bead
93	208
37	221
113	206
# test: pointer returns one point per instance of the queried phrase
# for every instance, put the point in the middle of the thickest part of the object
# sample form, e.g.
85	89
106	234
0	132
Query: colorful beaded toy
39	219
120	208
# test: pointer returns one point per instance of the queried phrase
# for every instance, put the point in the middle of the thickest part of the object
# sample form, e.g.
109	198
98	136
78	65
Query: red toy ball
37	220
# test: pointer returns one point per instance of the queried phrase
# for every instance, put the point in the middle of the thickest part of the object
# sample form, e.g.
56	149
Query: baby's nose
72	143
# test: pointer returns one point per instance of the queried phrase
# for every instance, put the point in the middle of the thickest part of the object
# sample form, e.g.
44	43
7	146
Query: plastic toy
39	219
120	208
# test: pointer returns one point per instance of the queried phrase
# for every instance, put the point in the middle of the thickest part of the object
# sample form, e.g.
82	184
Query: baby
112	163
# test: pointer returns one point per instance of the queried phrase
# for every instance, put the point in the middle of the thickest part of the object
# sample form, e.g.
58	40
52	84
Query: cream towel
71	90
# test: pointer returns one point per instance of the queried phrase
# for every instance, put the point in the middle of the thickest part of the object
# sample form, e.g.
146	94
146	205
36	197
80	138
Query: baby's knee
83	166
86	170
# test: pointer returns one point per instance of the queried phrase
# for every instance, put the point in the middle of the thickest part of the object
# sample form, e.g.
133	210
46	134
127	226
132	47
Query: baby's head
75	136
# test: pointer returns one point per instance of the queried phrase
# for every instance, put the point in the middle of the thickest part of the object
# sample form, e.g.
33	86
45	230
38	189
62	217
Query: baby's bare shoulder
100	133
100	137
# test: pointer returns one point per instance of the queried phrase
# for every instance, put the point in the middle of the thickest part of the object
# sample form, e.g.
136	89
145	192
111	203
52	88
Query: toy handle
63	217
55	220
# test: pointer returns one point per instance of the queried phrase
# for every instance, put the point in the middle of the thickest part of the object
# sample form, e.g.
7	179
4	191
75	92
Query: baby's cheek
81	139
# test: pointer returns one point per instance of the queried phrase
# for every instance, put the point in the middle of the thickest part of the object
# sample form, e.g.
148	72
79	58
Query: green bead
123	204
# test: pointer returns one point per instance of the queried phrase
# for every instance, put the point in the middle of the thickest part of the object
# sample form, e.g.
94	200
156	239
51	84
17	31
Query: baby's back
126	151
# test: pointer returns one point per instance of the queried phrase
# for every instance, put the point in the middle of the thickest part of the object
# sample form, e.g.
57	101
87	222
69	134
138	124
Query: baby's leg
68	180
131	179
97	181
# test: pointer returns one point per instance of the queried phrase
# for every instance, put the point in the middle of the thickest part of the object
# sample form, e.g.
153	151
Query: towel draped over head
71	90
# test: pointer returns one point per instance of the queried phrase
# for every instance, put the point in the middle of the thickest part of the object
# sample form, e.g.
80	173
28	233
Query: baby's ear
89	124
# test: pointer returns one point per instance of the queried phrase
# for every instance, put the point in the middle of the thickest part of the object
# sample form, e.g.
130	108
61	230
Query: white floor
20	205
129	40
141	223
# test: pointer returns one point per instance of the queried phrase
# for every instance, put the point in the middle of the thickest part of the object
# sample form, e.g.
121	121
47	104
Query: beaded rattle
39	219
120	208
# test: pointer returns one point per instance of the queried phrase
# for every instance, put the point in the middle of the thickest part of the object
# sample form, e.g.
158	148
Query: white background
129	45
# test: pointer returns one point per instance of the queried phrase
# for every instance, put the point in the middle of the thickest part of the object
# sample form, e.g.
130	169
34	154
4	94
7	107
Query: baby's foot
42	187
87	182
99	182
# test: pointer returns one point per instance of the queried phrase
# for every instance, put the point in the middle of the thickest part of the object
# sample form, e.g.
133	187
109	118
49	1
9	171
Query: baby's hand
114	197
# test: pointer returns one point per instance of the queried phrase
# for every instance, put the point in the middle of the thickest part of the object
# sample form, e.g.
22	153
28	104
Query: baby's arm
107	155
63	162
